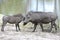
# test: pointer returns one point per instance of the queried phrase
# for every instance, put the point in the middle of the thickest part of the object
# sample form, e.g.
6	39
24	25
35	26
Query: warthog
41	18
14	19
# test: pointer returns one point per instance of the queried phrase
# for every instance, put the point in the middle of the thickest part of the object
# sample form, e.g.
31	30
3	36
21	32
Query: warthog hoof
16	30
42	30
33	31
2	30
46	30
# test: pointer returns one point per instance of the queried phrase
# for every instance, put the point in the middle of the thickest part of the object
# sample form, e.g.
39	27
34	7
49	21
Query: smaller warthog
14	19
41	18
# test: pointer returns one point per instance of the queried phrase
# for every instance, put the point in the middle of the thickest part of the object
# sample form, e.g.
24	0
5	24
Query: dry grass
27	34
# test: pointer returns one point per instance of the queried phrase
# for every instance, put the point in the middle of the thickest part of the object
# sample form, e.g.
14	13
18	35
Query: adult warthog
41	18
14	19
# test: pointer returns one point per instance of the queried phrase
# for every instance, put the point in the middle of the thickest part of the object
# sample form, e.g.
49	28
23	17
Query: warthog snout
24	23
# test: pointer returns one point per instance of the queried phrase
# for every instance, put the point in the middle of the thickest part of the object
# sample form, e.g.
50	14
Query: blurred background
11	7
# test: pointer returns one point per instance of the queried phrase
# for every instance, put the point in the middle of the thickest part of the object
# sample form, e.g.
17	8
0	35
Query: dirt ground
27	34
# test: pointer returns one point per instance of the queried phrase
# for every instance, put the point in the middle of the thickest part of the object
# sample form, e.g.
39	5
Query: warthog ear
23	18
30	12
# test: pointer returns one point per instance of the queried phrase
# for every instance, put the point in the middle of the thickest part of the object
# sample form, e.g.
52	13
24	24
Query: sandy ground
27	34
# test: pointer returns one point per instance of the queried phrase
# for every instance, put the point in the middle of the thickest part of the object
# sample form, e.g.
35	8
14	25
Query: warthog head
27	18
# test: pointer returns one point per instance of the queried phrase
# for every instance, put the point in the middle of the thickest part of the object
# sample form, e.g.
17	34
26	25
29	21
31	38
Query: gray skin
41	18
14	19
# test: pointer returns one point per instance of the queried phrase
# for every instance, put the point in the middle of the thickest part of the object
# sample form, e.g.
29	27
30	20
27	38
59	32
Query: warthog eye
28	17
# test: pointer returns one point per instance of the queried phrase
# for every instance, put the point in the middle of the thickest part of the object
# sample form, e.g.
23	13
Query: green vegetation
12	6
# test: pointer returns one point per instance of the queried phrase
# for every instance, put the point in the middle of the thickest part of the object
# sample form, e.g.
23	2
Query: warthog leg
53	24
4	23
35	25
18	27
41	27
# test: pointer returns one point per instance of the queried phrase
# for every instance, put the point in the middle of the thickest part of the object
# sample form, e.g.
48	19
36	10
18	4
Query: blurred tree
36	5
27	5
